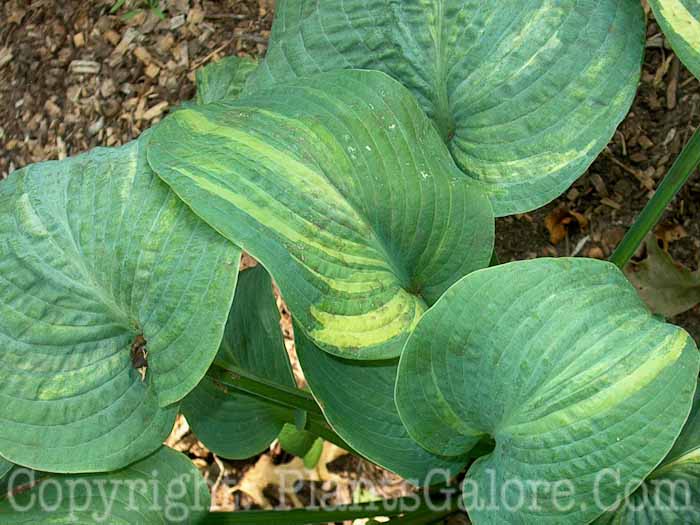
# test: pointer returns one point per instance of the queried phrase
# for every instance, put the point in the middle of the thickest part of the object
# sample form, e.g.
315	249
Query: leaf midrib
442	117
79	261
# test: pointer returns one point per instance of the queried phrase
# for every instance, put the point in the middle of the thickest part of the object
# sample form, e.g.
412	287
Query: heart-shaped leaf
562	364
233	425
162	489
525	93
340	186
671	494
224	79
357	398
113	301
680	21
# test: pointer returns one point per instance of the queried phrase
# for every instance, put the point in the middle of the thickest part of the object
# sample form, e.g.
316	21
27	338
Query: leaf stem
425	517
240	379
426	512
320	427
287	398
682	169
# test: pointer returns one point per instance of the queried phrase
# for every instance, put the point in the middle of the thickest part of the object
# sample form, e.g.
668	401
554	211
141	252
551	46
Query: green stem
288	399
423	514
422	517
320	427
685	165
239	379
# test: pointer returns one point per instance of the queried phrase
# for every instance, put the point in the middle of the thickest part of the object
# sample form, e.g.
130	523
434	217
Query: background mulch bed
74	76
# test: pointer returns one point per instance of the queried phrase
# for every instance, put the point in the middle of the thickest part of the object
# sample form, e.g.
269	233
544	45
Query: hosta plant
362	164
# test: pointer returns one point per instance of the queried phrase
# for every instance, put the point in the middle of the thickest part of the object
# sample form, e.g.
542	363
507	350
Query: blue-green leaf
357	398
223	80
341	188
560	362
162	489
113	301
671	494
680	21
235	425
525	93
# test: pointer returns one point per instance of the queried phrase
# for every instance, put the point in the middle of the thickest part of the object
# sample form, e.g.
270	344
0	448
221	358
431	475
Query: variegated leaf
113	301
525	93
680	21
340	186
560	362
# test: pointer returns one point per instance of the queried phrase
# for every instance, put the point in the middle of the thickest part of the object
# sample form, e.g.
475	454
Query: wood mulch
76	76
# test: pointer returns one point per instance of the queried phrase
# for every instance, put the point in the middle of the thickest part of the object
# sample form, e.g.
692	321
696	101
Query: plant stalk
392	508
242	380
288	399
682	169
426	517
320	427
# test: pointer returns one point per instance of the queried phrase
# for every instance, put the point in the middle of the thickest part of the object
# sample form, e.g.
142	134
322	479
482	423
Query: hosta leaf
357	398
162	489
223	79
525	93
5	467
671	494
666	287
98	258
341	188
680	21
238	426
562	364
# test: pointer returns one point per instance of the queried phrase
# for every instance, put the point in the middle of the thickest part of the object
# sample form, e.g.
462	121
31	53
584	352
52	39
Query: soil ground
74	76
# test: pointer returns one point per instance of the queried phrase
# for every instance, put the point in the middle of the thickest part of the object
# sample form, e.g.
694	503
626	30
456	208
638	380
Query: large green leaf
357	398
525	93
562	364
162	489
98	255
680	21
671	494
235	425
343	190
224	79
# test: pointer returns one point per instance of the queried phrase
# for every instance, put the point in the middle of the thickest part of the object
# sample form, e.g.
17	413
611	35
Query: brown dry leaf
595	252
247	262
180	430
195	16
667	287
156	111
5	56
558	221
16	16
669	234
287	477
143	55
